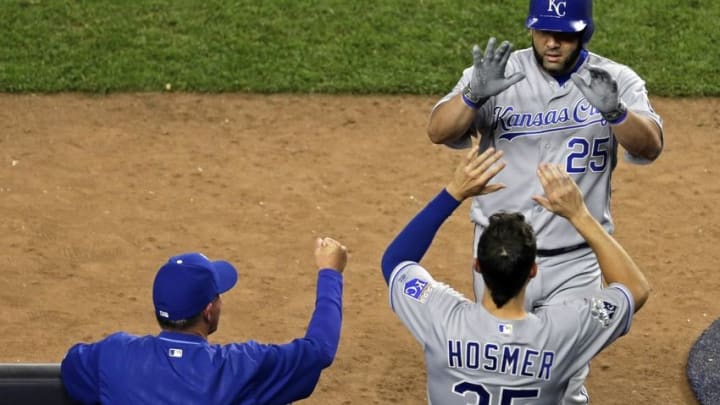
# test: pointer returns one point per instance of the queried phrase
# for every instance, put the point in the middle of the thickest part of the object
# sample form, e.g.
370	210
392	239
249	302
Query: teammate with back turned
179	365
494	352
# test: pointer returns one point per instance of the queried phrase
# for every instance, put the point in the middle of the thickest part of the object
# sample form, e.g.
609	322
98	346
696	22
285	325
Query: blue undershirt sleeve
324	327
414	240
291	371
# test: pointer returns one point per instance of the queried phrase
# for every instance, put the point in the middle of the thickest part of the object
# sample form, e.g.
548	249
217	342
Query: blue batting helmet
562	16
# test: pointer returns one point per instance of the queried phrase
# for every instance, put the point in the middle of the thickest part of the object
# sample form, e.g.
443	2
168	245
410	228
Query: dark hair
182	324
179	324
506	253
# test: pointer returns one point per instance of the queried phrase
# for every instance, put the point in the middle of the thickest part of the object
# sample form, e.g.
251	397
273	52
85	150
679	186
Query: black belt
559	251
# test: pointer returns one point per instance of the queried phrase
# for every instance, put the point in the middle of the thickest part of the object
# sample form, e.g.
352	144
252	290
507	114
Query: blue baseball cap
562	16
188	282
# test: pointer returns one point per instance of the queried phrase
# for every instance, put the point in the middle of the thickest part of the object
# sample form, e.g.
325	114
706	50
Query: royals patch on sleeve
603	311
417	289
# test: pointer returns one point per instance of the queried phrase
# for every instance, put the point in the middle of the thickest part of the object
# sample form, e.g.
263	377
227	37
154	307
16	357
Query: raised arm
564	198
638	134
290	372
324	327
451	119
471	178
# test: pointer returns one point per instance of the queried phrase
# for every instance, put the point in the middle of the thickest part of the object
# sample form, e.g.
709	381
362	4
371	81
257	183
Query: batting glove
602	93
488	77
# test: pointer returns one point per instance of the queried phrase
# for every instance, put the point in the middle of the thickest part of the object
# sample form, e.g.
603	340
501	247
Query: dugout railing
32	384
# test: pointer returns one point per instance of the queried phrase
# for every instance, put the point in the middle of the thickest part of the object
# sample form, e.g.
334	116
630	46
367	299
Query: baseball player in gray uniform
553	102
494	352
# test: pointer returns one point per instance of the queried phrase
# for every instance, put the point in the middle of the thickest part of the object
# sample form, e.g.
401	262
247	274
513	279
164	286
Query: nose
553	41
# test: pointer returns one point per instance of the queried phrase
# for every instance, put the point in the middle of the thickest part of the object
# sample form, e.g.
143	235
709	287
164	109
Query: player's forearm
291	371
615	263
326	322
415	239
450	120
640	136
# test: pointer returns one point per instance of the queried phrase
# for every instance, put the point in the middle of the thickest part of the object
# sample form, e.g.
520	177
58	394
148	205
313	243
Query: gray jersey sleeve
420	301
601	319
605	317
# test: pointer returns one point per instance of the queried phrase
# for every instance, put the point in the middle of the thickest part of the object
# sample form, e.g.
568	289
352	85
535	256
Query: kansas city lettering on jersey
502	359
514	124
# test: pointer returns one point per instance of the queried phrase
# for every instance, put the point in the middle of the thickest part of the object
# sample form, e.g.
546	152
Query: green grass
323	46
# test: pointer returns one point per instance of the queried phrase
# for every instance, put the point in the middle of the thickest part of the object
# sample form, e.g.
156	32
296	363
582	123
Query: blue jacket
178	368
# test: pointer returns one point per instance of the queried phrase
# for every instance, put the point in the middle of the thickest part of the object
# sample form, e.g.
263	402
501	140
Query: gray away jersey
539	121
473	357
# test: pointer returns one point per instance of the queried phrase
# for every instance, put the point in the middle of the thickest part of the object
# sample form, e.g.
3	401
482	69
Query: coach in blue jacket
179	366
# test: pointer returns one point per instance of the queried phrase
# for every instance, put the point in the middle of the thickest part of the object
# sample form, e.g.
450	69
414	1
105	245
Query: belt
559	251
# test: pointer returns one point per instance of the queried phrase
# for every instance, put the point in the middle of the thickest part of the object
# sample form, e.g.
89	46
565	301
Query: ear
476	265
207	312
533	271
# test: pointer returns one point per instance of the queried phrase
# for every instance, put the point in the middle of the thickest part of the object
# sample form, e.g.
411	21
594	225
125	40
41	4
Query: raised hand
330	254
602	93
472	175
488	77
562	195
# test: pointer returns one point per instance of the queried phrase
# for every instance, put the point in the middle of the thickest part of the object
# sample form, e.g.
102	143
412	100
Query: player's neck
512	310
197	330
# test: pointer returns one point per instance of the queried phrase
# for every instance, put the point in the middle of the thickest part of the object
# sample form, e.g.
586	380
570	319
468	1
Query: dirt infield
96	192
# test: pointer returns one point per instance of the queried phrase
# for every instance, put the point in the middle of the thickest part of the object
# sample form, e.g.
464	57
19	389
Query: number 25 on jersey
585	154
485	398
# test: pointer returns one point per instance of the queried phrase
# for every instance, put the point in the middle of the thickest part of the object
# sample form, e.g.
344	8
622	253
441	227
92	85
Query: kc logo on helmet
558	7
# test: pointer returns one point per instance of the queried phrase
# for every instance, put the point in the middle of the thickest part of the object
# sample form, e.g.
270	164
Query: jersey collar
565	77
181	337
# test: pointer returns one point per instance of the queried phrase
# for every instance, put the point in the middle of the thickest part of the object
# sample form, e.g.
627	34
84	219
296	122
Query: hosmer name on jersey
502	359
514	124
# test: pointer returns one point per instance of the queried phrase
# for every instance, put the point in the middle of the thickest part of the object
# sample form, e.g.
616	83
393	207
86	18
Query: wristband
470	103
618	115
